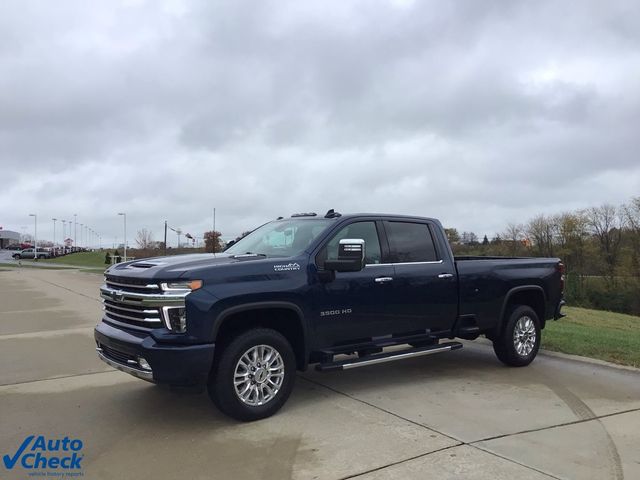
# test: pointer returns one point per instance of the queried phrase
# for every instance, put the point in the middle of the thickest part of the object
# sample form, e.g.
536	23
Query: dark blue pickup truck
333	290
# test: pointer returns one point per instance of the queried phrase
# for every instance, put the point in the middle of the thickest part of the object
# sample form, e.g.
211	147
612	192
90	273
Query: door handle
445	275
383	279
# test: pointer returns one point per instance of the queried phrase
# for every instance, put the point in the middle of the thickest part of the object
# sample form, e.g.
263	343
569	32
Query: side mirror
350	256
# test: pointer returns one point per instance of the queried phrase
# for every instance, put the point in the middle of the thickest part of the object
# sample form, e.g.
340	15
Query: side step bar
388	357
378	342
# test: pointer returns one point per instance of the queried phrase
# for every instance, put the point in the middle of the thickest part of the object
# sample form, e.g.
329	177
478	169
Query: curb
593	361
575	358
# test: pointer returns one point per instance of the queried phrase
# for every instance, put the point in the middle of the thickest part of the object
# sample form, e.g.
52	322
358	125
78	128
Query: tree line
600	247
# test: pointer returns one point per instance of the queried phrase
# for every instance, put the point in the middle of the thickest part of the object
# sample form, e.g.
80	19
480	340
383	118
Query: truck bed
484	283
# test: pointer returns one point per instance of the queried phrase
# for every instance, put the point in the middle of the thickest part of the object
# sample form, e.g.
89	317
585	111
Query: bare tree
541	231
469	238
631	213
606	225
571	238
513	237
144	239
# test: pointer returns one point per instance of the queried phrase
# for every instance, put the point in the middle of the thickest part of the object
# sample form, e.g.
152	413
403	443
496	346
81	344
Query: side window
364	230
410	242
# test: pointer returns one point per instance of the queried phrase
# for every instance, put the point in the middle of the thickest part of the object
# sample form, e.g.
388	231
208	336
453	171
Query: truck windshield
282	238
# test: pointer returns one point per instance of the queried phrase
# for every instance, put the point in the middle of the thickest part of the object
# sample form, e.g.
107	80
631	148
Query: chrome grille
136	304
138	316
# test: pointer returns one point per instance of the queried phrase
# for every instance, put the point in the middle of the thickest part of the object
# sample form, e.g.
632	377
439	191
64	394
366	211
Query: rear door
425	294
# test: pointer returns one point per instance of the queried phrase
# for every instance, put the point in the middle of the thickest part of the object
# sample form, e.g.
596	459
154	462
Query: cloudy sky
479	113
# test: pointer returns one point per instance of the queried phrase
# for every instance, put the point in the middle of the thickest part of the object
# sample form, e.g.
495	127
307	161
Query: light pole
64	230
75	230
125	235
35	235
81	242
54	231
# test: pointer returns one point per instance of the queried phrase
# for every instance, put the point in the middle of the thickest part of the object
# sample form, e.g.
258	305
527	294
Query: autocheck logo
286	267
59	456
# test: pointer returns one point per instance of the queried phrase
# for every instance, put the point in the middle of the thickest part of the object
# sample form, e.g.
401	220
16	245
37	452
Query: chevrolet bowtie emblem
117	295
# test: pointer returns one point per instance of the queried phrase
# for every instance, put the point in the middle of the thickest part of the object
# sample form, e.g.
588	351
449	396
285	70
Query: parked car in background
31	253
15	246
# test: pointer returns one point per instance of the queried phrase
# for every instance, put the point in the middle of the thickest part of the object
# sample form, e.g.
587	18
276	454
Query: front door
353	306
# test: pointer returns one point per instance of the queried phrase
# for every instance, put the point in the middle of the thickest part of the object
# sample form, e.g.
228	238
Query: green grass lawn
80	259
609	336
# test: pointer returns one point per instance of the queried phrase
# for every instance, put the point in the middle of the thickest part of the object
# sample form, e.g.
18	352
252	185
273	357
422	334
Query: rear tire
519	342
254	375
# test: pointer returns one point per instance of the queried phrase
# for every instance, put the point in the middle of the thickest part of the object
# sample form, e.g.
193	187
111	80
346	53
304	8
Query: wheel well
532	298
283	320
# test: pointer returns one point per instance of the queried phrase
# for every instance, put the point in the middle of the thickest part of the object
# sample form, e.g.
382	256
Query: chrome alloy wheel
258	375
524	336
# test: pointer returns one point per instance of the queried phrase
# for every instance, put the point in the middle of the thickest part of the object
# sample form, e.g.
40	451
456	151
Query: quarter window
410	242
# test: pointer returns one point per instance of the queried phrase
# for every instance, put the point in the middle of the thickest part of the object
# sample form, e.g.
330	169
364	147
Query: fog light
143	363
176	319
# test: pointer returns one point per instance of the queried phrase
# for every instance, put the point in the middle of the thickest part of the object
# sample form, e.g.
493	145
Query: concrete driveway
450	416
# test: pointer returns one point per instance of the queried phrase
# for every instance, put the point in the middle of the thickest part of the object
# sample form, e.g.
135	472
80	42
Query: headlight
181	286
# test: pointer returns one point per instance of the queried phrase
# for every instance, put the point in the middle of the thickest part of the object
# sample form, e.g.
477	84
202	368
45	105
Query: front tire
519	342
254	375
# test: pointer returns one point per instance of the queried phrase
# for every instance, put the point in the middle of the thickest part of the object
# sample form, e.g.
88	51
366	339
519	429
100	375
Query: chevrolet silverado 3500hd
332	290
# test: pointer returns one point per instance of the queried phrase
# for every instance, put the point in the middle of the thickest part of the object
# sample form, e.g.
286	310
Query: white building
7	237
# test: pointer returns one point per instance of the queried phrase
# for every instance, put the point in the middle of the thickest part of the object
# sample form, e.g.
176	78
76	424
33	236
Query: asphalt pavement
6	256
450	416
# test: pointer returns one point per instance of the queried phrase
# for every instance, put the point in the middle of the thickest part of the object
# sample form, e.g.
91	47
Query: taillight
561	269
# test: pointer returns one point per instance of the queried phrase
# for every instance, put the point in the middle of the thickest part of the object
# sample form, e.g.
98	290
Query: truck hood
175	266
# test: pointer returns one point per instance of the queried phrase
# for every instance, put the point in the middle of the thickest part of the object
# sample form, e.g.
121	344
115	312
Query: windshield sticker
288	267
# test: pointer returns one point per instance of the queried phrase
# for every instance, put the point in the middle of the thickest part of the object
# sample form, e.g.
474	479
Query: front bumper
182	365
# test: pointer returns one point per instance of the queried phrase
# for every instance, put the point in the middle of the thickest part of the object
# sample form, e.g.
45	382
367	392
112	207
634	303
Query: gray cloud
479	113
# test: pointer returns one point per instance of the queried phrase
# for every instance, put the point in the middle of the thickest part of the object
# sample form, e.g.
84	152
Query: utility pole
35	235
125	235
54	231
165	238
